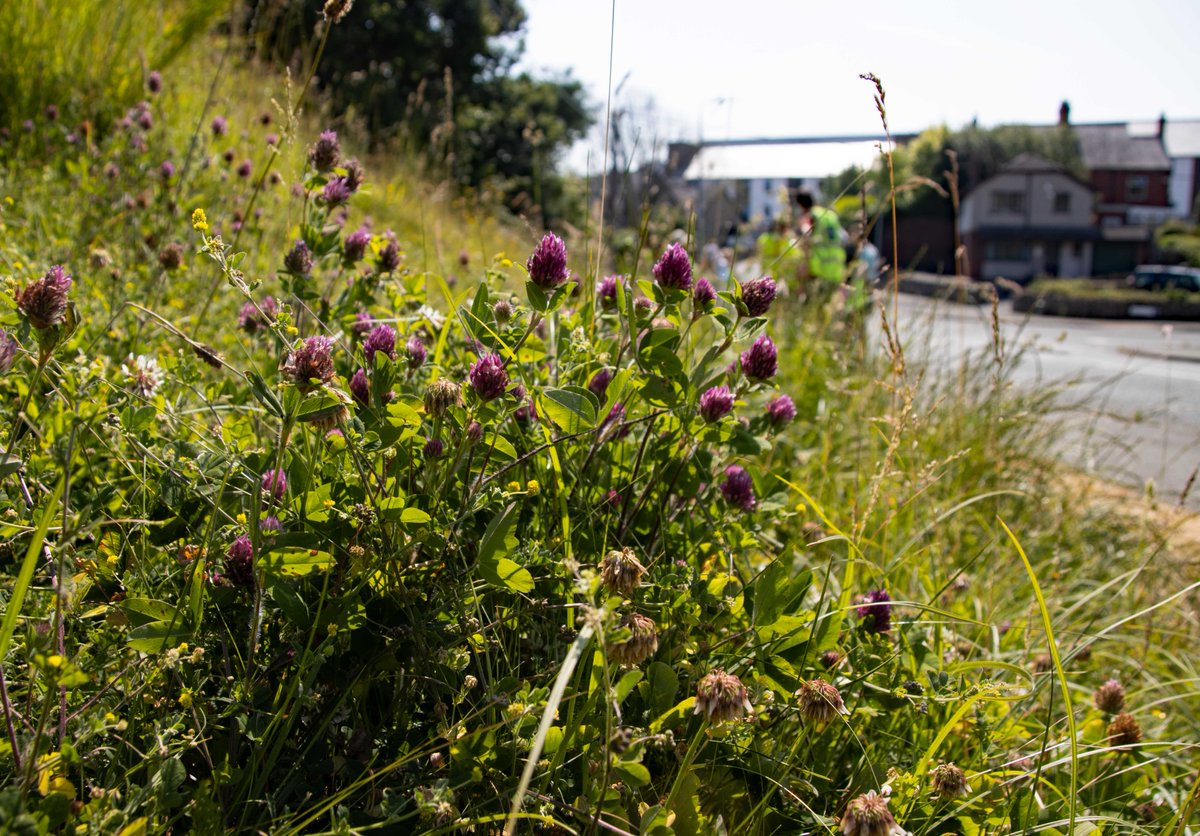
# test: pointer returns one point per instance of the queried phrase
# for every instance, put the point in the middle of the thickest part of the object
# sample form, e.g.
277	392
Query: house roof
1031	164
779	161
1117	147
1181	137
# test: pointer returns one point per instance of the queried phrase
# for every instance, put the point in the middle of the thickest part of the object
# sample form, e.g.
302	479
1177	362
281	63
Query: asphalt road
1132	400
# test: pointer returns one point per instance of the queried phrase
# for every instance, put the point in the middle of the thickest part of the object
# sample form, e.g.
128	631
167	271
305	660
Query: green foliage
437	76
90	59
434	637
1181	238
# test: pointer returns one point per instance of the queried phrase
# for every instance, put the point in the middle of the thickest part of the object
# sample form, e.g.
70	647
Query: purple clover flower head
52	112
716	403
325	152
154	81
758	294
674	269
703	294
299	259
245	169
252	319
389	257
363	323
239	562
336	192
355	245
219	126
488	377
503	311
272	140
8	350
598	385
382	338
416	351
760	361
613	425
270	525
44	302
145	121
311	365
738	488
606	291
547	265
875	609
27	126
781	411
433	448
527	412
227	155
474	432
360	388
274	484
355	174
167	169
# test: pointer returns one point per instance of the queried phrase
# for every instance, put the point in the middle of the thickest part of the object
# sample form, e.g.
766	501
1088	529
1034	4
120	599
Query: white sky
790	67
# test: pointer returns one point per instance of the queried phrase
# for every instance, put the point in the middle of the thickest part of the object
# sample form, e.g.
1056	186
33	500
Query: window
1137	187
1011	202
1062	203
1006	251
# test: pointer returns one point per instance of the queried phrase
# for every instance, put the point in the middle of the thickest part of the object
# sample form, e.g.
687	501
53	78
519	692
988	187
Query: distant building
1033	218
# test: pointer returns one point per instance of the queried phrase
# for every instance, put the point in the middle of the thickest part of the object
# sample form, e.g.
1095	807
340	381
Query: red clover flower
673	270
382	338
547	265
311	365
44	302
716	403
760	361
758	294
738	488
488	377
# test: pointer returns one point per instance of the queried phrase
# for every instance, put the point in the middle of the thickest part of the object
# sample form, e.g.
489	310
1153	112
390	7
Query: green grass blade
27	566
1059	673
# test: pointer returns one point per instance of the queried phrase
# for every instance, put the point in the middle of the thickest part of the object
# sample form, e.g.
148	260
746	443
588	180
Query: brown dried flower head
1124	730
1110	697
868	815
721	697
949	781
641	644
819	702
621	571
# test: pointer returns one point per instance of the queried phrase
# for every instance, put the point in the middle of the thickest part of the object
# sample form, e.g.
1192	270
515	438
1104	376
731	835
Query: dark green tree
437	77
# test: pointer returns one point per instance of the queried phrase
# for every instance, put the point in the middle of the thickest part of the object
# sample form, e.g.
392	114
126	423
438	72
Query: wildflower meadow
333	500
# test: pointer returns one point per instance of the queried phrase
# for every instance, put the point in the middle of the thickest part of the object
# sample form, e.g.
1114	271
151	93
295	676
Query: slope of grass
250	589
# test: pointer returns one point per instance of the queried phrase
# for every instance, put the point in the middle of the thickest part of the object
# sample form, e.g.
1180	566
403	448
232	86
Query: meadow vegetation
334	501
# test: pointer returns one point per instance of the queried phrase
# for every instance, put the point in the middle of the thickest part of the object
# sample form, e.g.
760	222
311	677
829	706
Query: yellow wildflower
513	487
533	487
185	698
199	221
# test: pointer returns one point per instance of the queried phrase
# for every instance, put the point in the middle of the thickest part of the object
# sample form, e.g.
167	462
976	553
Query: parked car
1163	277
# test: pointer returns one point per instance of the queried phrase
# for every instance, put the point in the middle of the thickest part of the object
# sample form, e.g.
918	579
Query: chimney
1162	126
1064	113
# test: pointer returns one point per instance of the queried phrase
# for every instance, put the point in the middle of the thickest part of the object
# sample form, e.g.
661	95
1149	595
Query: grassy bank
387	530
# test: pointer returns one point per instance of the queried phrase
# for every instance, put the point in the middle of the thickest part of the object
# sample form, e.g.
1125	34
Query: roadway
1132	388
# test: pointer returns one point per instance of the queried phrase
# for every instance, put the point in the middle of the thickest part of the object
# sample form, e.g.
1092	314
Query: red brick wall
1111	185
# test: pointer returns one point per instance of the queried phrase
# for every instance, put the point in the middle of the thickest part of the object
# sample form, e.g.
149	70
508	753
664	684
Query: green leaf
573	409
414	516
507	573
17	597
633	773
144	610
157	637
776	590
264	394
497	541
296	561
627	683
663	683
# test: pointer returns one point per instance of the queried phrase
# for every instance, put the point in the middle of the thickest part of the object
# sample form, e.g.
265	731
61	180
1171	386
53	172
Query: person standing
822	237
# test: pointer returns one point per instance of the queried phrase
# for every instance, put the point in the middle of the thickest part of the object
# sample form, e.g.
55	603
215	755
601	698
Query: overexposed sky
747	68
